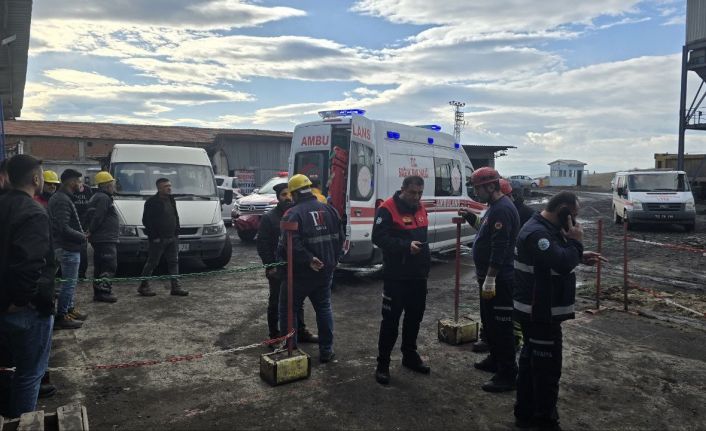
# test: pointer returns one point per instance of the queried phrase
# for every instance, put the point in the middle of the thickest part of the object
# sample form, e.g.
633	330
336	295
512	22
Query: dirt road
621	371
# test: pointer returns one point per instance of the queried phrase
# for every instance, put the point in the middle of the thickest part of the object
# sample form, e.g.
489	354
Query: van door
360	204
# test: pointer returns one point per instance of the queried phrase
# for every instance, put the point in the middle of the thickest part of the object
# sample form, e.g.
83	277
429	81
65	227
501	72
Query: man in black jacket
548	250
317	246
27	271
103	233
161	221
267	240
81	198
400	230
69	237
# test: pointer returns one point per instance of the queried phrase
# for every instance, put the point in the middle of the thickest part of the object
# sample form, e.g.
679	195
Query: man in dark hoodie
267	240
81	199
69	237
400	230
27	271
161	221
103	233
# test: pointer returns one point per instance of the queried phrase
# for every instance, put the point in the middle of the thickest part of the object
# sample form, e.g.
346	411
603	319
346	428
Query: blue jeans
29	337
69	261
320	296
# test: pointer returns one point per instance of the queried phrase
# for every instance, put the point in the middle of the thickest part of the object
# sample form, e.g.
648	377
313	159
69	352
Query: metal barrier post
625	265
289	228
598	265
457	288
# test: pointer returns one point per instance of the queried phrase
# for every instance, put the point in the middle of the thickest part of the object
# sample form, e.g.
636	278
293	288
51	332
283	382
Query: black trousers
105	264
273	308
539	373
410	297
162	247
83	265
496	316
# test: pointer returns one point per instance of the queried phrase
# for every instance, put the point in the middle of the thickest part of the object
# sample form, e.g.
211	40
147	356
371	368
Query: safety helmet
298	182
484	175
103	177
505	186
51	177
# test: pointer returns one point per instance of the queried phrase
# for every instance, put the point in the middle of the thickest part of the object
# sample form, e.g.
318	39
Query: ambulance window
362	172
448	175
313	164
469	186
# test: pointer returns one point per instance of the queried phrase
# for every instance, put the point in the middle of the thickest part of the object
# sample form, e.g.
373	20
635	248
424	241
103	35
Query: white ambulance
361	162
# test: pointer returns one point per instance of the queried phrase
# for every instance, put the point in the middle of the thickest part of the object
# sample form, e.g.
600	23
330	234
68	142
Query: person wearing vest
493	258
400	230
548	250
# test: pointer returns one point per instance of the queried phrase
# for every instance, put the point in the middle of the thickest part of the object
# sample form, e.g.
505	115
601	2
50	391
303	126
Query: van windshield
667	182
140	179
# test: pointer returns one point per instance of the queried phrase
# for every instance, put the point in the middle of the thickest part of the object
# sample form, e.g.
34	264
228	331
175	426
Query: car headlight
637	206
128	230
214	229
690	206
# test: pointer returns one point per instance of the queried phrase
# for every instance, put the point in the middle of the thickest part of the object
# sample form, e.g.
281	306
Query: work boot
480	346
100	296
326	357
145	290
176	290
416	364
487	364
77	315
547	424
382	374
66	322
500	384
525	423
305	336
46	390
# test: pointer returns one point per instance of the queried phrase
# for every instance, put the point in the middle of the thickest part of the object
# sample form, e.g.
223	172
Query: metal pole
289	228
625	265
457	288
598	267
682	108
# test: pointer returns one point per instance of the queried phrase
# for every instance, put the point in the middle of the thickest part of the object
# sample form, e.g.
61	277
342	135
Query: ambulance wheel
247	235
223	259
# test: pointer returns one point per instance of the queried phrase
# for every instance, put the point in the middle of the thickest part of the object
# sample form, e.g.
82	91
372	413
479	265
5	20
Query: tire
533	185
616	218
223	259
247	235
689	227
631	226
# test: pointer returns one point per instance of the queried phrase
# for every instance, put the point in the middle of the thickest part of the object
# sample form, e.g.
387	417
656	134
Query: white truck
136	169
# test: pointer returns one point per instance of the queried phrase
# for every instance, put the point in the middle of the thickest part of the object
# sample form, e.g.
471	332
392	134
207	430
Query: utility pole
459	122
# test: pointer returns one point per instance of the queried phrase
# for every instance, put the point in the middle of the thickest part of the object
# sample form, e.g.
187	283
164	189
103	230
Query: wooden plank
32	421
69	418
2	422
84	415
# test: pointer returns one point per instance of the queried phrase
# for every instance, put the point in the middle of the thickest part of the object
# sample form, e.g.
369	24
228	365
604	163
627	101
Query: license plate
184	247
664	216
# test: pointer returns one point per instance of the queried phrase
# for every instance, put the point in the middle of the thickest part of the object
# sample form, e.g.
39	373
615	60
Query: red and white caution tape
672	246
169	360
667	300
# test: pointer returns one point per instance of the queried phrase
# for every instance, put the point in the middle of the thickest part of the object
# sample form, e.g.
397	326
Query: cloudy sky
591	80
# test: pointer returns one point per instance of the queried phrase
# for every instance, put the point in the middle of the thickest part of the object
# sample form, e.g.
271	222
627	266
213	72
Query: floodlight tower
459	122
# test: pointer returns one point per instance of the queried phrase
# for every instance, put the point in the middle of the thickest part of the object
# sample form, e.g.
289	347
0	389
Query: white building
566	173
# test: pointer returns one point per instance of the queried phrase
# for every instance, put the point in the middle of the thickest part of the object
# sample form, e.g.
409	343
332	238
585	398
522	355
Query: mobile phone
564	213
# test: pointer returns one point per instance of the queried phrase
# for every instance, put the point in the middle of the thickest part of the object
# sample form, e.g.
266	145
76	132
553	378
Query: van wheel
247	235
616	218
631	226
689	227
223	259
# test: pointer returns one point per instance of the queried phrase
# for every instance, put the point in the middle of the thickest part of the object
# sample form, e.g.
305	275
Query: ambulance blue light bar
431	141
433	127
392	135
341	113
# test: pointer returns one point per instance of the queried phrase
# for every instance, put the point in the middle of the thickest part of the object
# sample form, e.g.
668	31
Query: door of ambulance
360	205
448	192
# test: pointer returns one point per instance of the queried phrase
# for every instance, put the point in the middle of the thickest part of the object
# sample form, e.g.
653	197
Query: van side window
467	179
362	172
448	175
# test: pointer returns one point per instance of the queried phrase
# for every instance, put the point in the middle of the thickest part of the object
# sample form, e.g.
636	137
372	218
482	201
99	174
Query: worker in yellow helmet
51	182
103	231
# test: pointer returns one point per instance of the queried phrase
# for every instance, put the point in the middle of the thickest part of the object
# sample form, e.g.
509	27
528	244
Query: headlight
214	229
128	230
637	206
690	206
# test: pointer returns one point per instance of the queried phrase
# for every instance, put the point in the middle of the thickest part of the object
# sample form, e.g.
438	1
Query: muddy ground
621	370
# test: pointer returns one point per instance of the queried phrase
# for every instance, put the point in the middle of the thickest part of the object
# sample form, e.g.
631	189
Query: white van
653	197
361	162
136	169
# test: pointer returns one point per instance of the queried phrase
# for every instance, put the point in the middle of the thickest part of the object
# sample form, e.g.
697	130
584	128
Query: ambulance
361	162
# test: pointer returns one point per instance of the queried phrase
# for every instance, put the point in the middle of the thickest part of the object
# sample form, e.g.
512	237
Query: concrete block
463	331
277	368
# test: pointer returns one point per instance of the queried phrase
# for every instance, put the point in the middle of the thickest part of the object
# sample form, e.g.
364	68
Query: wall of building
562	175
264	156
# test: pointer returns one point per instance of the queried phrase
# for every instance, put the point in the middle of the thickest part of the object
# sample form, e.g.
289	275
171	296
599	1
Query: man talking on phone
548	250
400	230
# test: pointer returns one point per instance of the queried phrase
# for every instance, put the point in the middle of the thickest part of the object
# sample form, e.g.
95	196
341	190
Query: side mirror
255	190
227	197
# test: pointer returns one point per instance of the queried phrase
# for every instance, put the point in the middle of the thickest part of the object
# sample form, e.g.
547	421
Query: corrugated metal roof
695	21
132	132
13	57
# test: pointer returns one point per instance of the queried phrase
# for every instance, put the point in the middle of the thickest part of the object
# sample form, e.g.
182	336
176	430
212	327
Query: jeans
69	261
105	264
319	293
167	247
273	308
410	297
29	338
